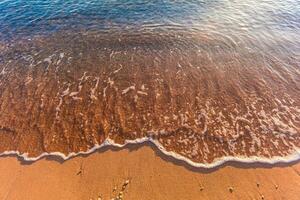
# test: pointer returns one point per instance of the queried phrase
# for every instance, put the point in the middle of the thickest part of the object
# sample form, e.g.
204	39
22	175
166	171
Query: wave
217	162
202	103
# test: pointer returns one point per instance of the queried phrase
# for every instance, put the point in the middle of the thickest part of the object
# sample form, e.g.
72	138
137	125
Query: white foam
48	60
73	93
128	89
217	162
142	93
28	80
3	71
111	82
61	55
92	94
117	70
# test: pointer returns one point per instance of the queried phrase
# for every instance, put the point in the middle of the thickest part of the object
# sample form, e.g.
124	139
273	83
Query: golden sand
146	174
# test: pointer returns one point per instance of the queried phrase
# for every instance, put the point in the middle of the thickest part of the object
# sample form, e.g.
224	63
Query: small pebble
126	182
230	189
276	187
262	197
257	184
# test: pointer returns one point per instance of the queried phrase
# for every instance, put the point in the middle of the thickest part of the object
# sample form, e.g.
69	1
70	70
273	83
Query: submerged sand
151	176
198	96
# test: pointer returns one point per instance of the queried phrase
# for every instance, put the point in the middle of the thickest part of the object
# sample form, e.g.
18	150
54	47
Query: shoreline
200	104
163	153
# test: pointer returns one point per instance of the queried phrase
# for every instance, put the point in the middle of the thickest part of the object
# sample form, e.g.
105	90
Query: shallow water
259	21
203	79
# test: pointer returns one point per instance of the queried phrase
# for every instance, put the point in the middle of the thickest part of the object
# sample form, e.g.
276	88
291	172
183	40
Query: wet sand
151	175
197	96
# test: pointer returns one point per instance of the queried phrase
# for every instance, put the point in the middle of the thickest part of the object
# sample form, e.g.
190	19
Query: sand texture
151	176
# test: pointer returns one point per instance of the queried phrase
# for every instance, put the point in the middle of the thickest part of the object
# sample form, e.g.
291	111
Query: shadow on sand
170	159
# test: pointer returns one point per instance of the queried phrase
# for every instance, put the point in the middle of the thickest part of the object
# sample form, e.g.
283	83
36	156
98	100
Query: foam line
217	162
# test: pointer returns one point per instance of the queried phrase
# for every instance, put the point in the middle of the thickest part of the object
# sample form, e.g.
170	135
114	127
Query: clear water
256	20
207	80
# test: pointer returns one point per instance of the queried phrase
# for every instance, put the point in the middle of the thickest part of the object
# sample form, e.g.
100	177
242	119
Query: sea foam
217	162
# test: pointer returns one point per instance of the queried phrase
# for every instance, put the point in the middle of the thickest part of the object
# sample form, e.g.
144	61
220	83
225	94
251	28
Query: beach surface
205	81
142	172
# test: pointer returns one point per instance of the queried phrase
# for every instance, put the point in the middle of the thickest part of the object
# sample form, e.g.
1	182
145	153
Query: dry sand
151	175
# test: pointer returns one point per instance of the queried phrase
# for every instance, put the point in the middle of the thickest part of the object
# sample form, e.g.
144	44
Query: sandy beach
149	174
128	99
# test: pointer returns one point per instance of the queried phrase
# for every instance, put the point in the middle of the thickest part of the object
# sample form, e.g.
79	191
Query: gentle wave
200	98
217	162
205	80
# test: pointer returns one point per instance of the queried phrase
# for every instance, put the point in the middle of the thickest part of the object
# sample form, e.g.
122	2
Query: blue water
24	17
254	19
